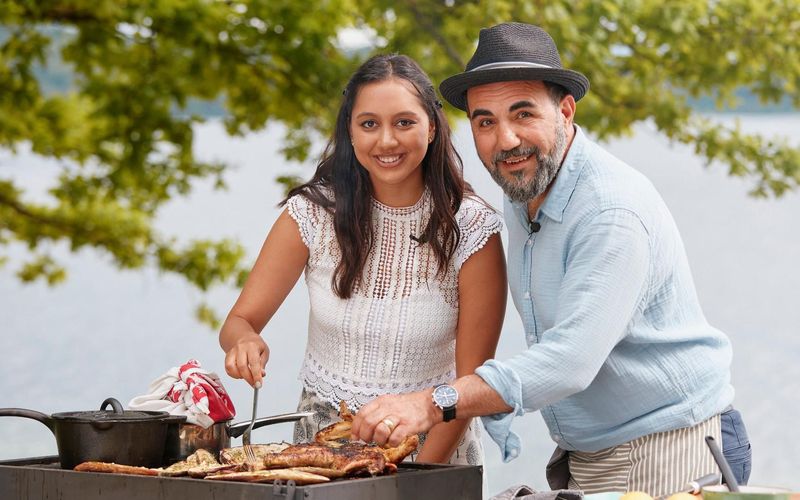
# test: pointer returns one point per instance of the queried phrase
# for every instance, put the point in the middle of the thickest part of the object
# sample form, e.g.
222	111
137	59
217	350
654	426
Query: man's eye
524	114
484	123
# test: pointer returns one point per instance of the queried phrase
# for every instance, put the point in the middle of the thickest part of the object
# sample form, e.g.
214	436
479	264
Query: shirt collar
557	199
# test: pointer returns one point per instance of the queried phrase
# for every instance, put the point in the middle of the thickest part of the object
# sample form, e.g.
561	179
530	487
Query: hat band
510	64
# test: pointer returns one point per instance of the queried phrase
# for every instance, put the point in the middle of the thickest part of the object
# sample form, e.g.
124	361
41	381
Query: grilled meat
350	459
400	452
329	473
334	434
113	468
331	455
199	464
298	476
236	455
201	457
338	434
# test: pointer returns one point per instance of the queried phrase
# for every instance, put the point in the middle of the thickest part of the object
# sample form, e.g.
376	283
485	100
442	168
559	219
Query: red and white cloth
188	390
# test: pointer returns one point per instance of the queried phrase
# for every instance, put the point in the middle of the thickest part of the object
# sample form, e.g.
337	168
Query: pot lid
115	414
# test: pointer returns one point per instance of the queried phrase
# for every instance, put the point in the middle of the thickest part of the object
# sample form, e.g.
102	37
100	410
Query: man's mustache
517	152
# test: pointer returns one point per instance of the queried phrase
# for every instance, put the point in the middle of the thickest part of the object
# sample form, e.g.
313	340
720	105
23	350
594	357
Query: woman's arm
278	266
482	290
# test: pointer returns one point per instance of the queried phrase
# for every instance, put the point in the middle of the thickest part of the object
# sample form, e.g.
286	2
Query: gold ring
388	423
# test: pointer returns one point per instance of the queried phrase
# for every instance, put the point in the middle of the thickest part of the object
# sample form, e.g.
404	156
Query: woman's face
390	131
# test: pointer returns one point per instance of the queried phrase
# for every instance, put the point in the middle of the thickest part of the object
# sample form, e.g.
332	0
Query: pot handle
32	414
115	405
237	429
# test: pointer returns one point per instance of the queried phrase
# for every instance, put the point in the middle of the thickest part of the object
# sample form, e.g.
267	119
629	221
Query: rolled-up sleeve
607	269
507	384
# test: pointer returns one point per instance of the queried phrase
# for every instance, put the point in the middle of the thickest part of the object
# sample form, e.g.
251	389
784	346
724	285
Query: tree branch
424	21
20	209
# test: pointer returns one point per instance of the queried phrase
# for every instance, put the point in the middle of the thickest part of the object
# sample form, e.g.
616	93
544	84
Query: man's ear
567	108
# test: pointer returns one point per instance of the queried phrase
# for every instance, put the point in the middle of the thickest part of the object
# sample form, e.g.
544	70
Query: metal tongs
250	457
724	467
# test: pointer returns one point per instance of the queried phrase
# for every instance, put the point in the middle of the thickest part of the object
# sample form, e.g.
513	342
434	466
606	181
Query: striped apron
658	464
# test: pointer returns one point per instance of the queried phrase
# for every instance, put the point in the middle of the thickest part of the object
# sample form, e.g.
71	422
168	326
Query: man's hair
556	92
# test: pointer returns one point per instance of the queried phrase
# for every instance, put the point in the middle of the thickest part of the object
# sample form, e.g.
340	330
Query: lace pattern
396	333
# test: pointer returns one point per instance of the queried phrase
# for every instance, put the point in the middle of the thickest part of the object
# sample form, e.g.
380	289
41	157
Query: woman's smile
389	161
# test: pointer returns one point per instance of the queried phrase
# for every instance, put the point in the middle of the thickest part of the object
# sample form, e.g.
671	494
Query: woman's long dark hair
340	171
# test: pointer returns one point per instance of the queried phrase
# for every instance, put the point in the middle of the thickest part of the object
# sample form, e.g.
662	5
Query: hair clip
344	92
438	103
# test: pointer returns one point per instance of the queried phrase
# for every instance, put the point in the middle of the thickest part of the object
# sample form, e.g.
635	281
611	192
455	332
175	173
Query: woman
404	265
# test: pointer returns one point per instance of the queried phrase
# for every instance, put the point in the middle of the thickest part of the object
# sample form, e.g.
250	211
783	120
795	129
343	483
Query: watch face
445	396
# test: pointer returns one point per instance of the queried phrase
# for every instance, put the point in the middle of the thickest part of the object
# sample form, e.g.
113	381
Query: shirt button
529	243
527	295
514	453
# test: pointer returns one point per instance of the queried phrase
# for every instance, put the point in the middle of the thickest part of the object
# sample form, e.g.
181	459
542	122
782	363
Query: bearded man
621	363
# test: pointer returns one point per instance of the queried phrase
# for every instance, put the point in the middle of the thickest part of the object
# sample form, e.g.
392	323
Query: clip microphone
535	227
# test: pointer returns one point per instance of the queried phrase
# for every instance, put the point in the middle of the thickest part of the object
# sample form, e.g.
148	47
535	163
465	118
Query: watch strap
449	413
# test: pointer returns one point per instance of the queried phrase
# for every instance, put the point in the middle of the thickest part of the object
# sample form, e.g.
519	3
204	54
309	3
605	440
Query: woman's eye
405	123
368	124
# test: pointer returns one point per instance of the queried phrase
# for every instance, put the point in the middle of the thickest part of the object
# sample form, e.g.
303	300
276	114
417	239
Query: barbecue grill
42	478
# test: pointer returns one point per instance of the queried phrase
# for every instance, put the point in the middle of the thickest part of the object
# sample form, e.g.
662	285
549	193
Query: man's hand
390	419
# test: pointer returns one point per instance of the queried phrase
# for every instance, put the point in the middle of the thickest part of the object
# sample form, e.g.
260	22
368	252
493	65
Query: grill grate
42	478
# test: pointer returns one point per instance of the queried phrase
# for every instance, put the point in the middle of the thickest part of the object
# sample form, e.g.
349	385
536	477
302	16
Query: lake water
107	332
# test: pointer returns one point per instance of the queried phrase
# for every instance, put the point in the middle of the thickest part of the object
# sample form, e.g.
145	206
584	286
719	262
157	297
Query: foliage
122	126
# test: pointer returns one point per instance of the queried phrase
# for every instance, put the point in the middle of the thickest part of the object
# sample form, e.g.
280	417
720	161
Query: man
626	372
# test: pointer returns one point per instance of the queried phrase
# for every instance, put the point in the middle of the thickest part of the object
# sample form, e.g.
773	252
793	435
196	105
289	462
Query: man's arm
604	283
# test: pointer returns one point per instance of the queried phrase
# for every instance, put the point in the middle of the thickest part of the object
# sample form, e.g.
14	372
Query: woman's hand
247	359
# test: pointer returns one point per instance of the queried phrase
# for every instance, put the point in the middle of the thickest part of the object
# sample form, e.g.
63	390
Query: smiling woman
391	131
403	263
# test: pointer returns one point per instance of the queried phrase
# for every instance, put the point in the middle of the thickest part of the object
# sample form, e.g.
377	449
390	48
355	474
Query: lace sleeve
477	222
306	214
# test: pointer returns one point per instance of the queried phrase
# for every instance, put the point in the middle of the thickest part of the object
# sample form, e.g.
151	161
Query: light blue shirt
618	346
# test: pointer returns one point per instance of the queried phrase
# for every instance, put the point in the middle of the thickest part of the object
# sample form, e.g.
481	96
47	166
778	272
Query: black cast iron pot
120	436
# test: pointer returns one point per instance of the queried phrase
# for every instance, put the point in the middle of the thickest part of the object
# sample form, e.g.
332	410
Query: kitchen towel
188	390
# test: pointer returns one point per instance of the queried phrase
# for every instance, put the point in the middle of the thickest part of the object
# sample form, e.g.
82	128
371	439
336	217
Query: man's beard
519	189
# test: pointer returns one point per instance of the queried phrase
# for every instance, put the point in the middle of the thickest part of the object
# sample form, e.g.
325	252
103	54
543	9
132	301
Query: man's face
520	134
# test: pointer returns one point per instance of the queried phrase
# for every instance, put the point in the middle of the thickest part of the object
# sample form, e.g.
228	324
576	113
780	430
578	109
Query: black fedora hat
510	52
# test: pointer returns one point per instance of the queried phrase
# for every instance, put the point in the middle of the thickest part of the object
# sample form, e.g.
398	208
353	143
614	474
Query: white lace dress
396	333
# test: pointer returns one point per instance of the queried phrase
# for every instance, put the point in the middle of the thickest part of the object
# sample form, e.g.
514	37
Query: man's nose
507	138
